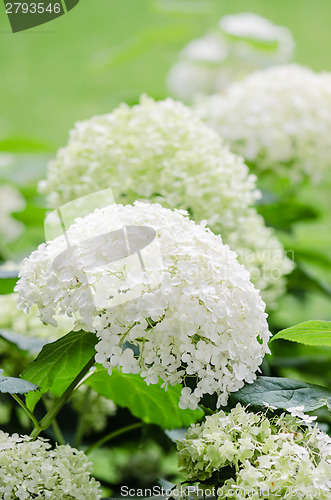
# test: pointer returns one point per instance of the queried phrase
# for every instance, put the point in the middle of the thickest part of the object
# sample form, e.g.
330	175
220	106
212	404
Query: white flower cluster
10	201
280	457
279	119
31	470
242	43
202	317
158	151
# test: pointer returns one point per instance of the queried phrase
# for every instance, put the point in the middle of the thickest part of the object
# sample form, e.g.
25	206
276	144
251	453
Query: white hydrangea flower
205	318
256	39
197	72
161	152
297	411
10	201
32	470
279	119
158	151
243	43
270	458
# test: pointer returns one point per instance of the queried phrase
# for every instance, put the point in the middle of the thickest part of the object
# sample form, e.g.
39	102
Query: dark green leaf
309	333
285	213
283	393
59	363
302	280
151	403
320	274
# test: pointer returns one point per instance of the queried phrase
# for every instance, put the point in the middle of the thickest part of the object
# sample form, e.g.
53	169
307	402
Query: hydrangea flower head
155	151
197	313
270	458
31	469
242	43
161	152
278	119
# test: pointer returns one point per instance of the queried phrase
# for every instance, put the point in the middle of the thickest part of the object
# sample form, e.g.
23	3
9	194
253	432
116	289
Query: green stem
113	435
27	411
56	428
51	414
82	418
58	433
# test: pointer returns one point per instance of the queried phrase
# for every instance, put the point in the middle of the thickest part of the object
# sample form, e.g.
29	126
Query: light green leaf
13	385
24	342
59	363
316	333
151	403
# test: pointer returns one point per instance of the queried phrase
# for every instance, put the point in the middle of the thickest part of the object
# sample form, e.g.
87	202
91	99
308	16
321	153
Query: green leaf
59	363
151	403
283	393
309	333
14	385
8	281
285	213
24	342
316	272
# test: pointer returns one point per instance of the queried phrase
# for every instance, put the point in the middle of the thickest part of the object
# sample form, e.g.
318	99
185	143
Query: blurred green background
106	51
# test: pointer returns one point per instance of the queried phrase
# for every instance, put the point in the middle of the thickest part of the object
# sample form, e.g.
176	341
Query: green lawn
106	51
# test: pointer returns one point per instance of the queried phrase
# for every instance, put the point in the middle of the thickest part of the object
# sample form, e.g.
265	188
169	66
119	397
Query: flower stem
27	411
51	414
82	420
56	428
58	433
112	435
